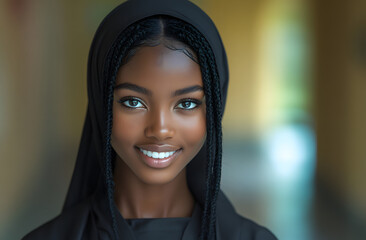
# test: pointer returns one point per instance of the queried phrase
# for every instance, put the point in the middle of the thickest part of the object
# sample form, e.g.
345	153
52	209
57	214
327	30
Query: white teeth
157	155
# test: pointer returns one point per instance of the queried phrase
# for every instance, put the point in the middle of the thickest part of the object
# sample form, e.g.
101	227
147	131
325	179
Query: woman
149	161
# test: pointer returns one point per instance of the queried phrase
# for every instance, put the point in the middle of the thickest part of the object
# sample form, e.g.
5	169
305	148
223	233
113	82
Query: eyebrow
187	90
145	91
133	87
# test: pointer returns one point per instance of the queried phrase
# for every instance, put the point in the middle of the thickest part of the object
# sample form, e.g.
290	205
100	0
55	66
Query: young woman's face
159	114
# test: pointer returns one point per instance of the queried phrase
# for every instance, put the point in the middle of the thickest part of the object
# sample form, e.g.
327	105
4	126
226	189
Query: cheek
193	130
125	128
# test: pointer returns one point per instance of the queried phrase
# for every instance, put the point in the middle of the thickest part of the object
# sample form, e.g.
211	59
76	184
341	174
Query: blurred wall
236	21
340	112
43	56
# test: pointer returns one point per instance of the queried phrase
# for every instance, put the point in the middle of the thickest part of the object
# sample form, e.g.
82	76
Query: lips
158	156
158	147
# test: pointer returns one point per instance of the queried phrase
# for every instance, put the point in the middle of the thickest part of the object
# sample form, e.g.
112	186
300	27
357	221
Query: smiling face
159	114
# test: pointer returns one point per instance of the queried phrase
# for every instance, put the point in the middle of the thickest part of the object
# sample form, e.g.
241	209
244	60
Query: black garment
90	220
86	211
159	228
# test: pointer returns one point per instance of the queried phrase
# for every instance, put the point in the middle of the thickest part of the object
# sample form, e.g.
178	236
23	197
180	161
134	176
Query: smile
159	159
157	155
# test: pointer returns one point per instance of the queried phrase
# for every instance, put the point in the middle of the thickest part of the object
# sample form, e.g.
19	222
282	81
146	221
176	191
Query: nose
159	126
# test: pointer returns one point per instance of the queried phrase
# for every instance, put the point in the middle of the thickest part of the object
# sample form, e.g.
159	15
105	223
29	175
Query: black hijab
89	164
85	212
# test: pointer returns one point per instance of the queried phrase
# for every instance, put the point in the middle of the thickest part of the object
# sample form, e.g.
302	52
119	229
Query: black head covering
85	213
88	169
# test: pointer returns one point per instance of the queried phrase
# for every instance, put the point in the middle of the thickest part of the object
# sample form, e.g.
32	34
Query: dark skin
159	125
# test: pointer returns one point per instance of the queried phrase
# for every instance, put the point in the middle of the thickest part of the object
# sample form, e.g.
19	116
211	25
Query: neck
136	199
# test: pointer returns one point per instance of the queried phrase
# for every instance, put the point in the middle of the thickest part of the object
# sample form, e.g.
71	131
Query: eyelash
190	100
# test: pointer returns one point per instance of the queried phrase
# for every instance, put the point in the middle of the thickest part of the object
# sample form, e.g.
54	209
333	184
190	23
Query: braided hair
153	31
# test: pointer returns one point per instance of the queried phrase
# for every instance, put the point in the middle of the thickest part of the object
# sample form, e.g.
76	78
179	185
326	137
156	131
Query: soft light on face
159	114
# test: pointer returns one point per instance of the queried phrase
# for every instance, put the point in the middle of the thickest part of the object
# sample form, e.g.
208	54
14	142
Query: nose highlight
159	126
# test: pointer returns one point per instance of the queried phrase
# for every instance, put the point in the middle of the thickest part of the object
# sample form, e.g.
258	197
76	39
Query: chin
158	176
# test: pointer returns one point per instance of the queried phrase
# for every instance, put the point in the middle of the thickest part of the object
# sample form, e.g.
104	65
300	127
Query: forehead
160	65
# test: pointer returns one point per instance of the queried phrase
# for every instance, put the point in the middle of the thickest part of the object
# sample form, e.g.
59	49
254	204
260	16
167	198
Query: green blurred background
294	126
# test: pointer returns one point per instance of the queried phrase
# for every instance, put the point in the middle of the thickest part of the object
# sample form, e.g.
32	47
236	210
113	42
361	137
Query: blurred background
294	126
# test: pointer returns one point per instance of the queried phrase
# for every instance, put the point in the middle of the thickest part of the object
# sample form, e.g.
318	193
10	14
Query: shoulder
68	225
230	225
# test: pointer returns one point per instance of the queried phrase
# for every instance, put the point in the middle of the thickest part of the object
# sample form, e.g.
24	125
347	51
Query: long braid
218	131
187	36
123	43
206	226
214	114
215	166
210	134
108	150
